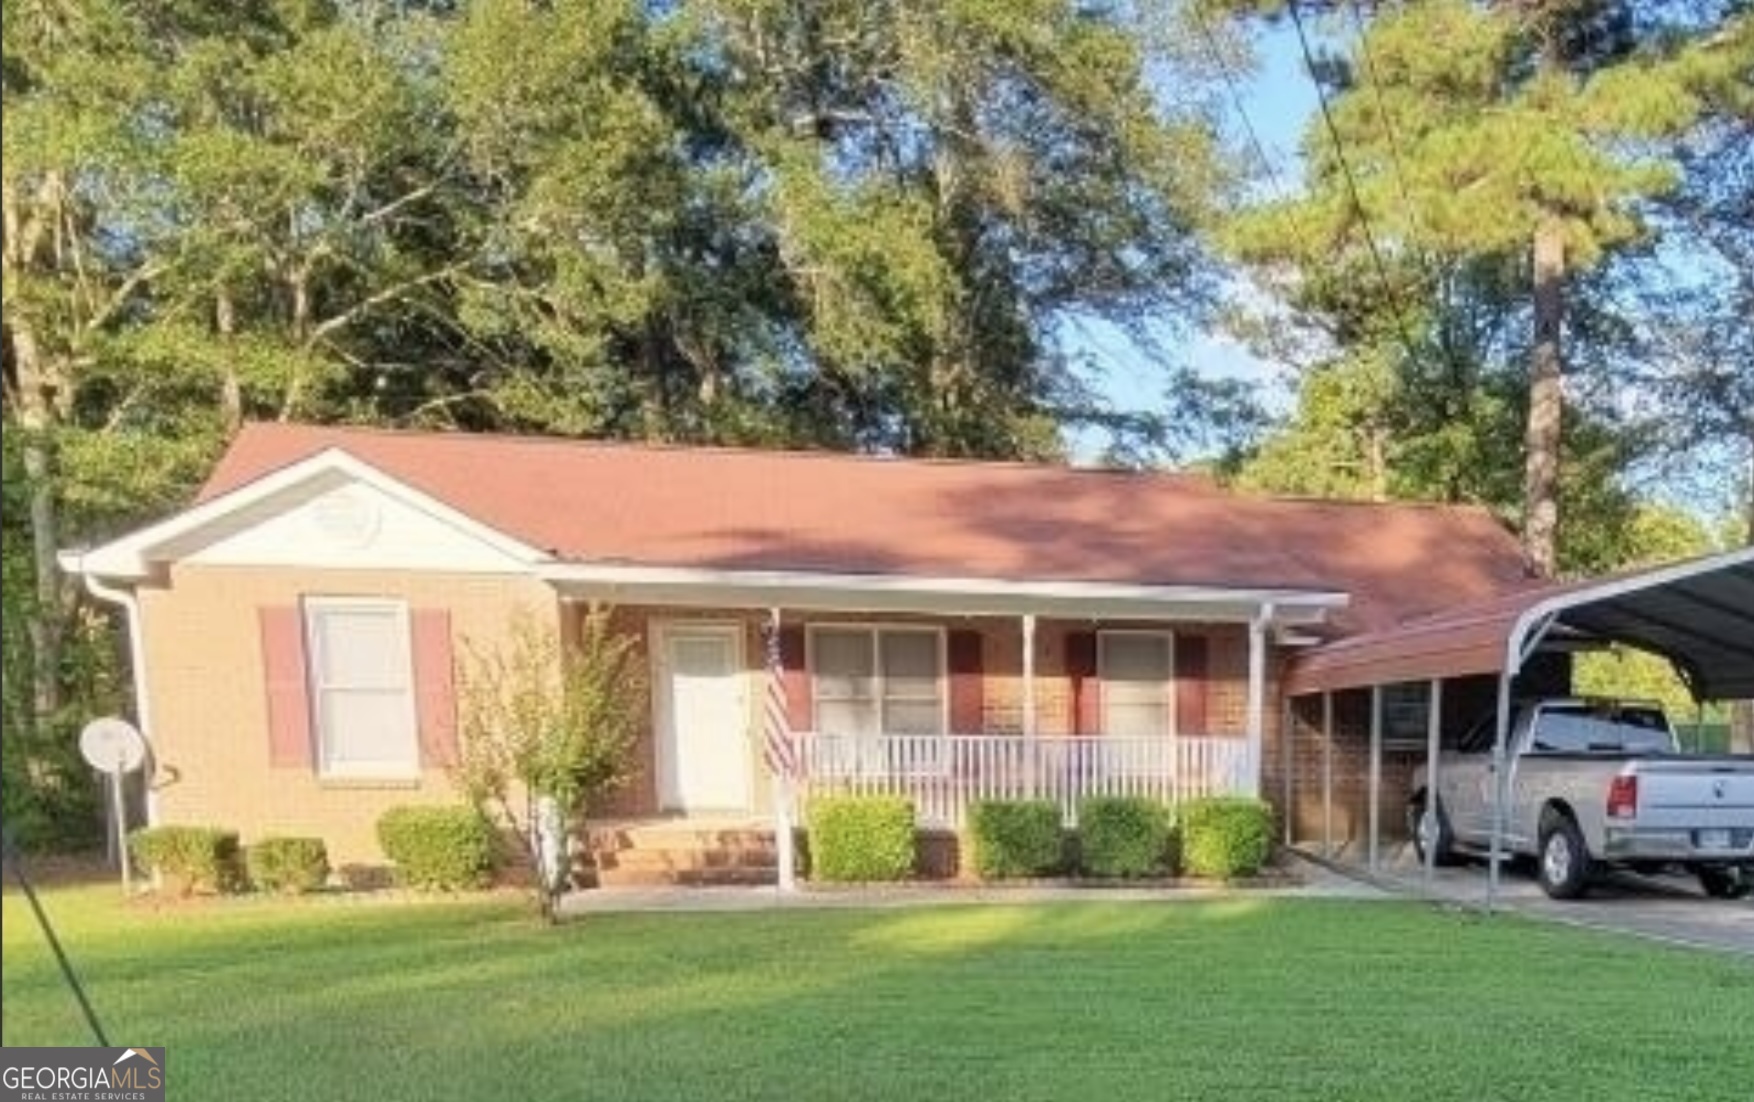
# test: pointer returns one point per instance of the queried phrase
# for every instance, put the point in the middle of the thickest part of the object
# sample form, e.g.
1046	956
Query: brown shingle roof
805	511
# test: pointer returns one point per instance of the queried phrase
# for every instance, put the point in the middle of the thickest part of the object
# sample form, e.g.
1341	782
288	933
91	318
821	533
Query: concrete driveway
1665	908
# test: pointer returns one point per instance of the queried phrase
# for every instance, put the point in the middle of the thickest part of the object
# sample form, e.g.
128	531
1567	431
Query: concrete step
676	836
677	851
704	878
686	858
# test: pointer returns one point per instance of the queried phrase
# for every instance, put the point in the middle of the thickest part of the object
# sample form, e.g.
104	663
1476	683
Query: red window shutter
435	686
800	707
1191	684
967	699
1086	682
285	679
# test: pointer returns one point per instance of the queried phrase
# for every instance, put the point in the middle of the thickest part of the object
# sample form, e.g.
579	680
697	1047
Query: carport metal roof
1699	614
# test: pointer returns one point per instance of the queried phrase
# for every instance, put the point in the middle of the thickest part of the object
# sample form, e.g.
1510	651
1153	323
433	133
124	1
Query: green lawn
1251	998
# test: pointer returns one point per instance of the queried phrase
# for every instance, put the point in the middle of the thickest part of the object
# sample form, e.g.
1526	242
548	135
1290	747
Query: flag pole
782	765
784	843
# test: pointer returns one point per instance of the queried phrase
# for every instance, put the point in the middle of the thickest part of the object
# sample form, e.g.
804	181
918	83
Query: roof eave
135	557
813	591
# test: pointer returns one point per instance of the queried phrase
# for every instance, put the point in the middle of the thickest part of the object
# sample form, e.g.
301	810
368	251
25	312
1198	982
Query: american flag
776	725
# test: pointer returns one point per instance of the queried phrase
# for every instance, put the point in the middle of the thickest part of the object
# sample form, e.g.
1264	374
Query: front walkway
1314	882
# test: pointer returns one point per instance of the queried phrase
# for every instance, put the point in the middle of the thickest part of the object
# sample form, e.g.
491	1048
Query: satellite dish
112	745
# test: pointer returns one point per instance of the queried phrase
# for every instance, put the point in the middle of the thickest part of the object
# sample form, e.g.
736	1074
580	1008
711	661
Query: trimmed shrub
1015	838
288	864
861	838
439	847
1125	836
190	859
1226	836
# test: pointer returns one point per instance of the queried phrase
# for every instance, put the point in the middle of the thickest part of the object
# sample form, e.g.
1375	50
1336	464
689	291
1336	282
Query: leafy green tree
547	719
1488	139
839	223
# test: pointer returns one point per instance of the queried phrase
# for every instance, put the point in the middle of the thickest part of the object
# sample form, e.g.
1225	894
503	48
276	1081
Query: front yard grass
1233	999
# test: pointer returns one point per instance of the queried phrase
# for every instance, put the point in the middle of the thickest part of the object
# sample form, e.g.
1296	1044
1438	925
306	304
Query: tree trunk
1376	455
298	289
231	391
1546	404
36	397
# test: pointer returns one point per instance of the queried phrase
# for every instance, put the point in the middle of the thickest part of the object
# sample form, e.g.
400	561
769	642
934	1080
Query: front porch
943	775
944	693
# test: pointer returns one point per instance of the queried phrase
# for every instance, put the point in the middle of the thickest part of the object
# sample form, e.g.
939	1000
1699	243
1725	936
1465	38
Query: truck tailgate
1696	792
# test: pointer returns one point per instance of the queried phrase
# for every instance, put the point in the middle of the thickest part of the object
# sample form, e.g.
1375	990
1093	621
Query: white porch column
1030	747
1257	698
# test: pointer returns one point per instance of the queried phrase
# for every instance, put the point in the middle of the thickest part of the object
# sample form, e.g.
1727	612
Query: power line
1351	180
1382	110
1236	99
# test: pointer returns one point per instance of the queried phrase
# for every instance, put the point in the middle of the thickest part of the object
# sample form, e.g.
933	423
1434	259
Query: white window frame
1168	685
312	611
867	758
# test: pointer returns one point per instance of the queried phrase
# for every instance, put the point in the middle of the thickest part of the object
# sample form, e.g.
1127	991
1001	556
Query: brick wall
209	710
1465	702
208	703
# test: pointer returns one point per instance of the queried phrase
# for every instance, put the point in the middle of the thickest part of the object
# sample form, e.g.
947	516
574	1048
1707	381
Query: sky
1279	102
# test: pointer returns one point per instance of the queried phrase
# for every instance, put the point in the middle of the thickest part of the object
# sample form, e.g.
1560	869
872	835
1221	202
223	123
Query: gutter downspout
129	603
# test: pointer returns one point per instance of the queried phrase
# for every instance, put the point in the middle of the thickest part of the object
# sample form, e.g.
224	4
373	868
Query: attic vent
345	518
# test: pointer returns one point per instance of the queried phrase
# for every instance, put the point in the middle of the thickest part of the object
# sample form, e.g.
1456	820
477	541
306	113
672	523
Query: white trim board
236	513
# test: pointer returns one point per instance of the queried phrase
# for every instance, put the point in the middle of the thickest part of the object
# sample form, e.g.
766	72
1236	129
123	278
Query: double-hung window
1135	668
362	687
878	680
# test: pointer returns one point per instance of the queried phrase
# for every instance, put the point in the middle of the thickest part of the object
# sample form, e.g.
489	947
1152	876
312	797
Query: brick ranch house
951	630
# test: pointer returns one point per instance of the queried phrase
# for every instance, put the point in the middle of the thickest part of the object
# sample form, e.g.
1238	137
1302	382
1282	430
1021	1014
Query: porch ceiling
937	596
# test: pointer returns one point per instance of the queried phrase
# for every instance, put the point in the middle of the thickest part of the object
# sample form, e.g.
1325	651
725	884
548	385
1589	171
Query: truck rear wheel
1565	864
1725	882
1431	830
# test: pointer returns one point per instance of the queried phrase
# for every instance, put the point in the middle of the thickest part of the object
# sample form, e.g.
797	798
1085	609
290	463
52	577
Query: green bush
440	847
1015	837
288	864
1125	836
190	859
1226	836
861	838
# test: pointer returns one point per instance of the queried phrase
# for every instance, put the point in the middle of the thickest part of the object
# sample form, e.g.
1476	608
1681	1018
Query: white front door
702	719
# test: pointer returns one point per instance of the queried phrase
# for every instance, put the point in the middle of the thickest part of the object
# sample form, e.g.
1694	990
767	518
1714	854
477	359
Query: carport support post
1375	809
1496	855
1433	745
1327	774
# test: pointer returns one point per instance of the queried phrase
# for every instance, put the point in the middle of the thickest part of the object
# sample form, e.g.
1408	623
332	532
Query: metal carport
1699	614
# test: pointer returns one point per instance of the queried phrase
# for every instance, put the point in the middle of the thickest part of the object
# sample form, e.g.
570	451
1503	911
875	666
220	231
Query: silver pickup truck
1594	783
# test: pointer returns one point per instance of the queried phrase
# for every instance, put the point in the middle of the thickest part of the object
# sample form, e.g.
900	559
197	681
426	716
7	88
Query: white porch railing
943	774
